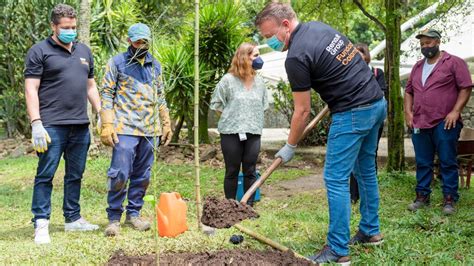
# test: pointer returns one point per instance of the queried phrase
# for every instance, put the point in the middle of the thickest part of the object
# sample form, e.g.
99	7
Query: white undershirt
427	68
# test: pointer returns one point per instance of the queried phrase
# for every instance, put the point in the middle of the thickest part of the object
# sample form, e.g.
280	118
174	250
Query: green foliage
178	80
167	17
110	22
283	101
12	111
220	34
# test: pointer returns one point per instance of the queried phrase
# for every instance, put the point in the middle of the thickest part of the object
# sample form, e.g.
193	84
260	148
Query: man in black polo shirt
321	58
59	78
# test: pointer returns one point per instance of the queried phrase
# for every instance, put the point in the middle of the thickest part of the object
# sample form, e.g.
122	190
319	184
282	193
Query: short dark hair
62	11
277	11
364	49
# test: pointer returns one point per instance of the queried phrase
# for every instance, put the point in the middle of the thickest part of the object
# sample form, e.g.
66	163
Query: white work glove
39	136
286	153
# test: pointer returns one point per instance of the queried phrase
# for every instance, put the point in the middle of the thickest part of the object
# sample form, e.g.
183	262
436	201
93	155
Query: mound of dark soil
222	257
224	213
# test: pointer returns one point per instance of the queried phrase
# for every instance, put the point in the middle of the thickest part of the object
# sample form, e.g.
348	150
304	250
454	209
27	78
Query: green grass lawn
300	222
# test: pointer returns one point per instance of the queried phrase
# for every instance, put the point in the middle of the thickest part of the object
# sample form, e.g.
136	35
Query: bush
283	101
13	112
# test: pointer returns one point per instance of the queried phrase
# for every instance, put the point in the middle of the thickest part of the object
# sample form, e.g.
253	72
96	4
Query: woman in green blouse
241	98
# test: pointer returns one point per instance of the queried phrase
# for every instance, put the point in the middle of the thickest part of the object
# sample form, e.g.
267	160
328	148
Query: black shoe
448	205
362	239
326	255
421	201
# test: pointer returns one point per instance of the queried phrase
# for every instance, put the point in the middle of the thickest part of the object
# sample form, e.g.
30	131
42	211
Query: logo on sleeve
84	61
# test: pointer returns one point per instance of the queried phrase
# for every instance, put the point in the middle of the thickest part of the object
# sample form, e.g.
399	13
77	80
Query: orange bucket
171	215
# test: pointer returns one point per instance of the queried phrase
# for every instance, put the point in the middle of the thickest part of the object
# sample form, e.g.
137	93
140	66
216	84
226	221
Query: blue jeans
352	145
132	159
72	141
444	143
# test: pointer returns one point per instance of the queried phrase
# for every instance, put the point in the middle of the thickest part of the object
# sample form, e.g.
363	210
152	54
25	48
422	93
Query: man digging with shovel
321	58
131	90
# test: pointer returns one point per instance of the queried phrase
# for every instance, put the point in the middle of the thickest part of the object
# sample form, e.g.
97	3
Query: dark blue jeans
72	141
132	159
443	142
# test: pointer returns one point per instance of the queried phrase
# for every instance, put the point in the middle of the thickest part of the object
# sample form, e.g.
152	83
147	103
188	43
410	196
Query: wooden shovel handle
268	241
278	160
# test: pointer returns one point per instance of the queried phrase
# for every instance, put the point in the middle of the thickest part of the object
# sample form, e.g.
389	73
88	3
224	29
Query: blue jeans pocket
363	118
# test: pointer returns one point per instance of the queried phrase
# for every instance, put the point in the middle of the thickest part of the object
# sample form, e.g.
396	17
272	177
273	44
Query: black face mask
139	52
430	52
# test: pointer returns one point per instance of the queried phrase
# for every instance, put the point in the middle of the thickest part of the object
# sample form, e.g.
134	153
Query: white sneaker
80	225
42	232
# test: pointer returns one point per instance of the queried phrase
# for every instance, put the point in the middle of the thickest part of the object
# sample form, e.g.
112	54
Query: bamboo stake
268	241
196	113
154	176
276	163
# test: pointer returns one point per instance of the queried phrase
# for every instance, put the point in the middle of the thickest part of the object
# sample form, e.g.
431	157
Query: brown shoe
421	201
113	228
448	205
137	223
363	239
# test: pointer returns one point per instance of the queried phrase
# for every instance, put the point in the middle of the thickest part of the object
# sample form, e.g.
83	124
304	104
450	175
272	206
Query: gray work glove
286	153
39	136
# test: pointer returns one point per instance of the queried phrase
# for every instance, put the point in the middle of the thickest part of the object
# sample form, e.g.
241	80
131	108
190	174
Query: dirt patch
286	189
223	257
223	213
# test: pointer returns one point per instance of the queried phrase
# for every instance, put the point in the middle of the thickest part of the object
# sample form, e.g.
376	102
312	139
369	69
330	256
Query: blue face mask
275	44
67	36
257	63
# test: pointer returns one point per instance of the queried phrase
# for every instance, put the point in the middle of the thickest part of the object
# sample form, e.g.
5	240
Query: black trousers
354	187
239	154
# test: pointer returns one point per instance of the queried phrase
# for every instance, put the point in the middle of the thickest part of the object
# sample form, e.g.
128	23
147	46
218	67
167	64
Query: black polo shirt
63	86
321	58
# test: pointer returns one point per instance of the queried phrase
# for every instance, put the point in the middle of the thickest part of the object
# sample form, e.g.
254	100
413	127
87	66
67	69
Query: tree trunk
83	30
203	121
177	129
189	127
396	156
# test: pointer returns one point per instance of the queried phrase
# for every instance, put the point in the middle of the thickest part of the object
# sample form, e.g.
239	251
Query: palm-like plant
110	21
178	79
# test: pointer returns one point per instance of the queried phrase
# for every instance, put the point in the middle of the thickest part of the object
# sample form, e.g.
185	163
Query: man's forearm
408	103
32	99
463	98
93	96
299	120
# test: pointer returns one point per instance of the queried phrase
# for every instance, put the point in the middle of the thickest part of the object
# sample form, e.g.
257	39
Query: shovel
277	162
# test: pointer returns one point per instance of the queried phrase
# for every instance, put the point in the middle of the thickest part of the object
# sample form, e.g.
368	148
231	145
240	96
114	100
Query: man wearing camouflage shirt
134	116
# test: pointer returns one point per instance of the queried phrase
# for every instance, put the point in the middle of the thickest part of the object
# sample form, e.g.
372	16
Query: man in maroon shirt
437	90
